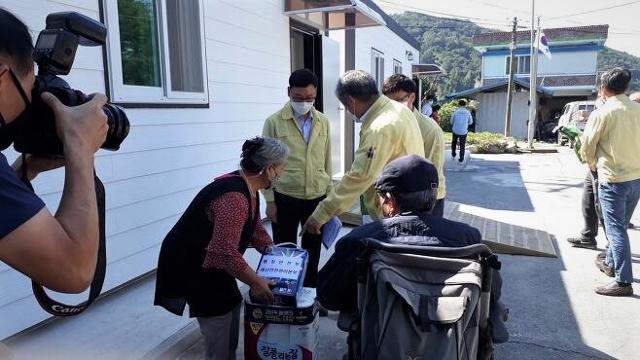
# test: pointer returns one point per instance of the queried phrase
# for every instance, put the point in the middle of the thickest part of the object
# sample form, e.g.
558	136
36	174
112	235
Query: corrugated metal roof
492	87
590	32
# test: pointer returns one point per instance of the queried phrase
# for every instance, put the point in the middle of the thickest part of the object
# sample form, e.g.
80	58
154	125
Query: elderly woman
201	257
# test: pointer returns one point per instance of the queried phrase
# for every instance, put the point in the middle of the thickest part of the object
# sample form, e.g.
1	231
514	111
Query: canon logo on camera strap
56	308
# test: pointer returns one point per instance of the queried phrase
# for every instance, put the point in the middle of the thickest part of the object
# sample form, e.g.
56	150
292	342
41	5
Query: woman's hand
261	290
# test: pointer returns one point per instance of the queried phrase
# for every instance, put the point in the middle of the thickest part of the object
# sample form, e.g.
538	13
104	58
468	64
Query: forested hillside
448	43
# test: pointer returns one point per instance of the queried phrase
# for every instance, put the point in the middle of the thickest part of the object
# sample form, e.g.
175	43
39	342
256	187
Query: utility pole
533	84
512	48
533	110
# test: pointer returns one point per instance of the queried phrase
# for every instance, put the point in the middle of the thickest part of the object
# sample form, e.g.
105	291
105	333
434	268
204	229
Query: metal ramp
502	238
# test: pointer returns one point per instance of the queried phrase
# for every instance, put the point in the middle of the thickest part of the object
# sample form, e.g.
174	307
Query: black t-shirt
17	202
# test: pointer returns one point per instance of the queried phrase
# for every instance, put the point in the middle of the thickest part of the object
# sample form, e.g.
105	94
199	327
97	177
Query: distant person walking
460	121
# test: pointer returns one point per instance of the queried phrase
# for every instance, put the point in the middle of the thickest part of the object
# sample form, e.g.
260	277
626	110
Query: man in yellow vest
307	177
402	89
389	131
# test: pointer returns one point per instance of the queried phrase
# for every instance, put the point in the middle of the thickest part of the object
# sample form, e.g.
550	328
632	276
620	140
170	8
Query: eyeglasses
303	99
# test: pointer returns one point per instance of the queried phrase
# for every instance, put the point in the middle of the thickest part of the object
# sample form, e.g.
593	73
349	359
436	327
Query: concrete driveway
554	312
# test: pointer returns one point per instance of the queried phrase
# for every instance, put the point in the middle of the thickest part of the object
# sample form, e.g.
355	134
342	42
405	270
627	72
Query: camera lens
118	127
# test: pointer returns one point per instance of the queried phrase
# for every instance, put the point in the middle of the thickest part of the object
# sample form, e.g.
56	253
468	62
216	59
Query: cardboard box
287	267
272	332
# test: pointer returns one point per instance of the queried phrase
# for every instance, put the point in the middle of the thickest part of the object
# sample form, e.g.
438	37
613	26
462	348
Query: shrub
486	142
445	113
447	110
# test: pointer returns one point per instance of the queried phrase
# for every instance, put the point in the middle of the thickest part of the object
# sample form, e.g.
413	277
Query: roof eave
502	46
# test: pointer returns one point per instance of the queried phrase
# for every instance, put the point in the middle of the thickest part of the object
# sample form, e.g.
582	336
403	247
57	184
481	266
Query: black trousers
293	212
590	207
454	141
438	209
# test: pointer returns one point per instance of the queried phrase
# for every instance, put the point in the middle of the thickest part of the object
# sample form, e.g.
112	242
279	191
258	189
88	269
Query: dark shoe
630	225
582	243
322	311
606	269
615	289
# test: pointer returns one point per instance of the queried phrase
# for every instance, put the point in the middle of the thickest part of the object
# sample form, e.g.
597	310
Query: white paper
330	232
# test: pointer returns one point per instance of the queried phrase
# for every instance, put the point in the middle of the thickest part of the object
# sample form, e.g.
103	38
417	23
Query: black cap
407	174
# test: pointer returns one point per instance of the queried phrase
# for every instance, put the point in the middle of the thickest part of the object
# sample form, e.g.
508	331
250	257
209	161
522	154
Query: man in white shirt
427	108
460	121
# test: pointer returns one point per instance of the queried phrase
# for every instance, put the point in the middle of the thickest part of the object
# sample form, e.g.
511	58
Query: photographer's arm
60	252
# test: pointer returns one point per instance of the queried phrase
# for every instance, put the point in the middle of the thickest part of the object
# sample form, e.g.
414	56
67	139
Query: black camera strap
57	308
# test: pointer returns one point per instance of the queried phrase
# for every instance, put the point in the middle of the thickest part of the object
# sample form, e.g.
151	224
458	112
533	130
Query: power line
624	30
595	10
447	16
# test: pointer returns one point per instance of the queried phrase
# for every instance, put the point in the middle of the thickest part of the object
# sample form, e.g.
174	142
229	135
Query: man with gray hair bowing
389	131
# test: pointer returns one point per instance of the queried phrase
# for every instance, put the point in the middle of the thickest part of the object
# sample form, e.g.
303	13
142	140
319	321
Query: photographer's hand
81	128
37	164
60	252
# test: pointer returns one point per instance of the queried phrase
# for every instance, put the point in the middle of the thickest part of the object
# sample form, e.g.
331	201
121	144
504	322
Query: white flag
543	45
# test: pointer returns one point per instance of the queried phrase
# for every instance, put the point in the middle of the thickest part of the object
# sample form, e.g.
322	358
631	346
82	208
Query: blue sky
623	18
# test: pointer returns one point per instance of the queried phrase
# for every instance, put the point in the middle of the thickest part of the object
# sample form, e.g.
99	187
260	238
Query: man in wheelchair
407	190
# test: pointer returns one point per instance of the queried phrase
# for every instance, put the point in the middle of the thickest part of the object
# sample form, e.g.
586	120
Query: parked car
575	113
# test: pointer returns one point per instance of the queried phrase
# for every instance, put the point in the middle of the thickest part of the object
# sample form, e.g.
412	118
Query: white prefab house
197	78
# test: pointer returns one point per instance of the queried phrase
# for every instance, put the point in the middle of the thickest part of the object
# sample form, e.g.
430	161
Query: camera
34	132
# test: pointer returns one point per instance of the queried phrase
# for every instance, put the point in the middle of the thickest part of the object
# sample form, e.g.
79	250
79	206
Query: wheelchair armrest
347	321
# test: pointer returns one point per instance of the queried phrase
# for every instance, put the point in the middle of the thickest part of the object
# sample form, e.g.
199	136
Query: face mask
6	130
301	107
273	181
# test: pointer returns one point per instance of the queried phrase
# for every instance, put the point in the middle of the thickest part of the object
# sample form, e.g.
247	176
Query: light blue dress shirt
305	123
460	121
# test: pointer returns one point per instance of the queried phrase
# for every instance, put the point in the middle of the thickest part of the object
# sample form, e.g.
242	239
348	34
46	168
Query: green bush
485	142
447	110
484	137
445	113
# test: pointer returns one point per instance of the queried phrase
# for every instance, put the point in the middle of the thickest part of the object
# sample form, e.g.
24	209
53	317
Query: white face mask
301	107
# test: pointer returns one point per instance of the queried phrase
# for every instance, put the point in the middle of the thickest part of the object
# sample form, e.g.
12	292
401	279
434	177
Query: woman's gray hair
261	152
357	84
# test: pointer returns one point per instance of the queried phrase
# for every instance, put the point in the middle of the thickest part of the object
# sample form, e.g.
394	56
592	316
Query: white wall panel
170	154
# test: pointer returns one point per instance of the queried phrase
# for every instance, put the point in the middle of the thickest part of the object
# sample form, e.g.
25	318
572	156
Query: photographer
58	251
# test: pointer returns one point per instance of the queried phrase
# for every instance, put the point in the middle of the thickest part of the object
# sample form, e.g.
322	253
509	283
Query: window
377	67
156	51
523	64
397	66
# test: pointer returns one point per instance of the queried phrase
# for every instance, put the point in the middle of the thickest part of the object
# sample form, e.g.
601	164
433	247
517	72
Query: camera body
34	132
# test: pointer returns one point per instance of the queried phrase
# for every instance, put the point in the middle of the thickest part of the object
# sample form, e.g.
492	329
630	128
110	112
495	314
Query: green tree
139	42
610	58
449	43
